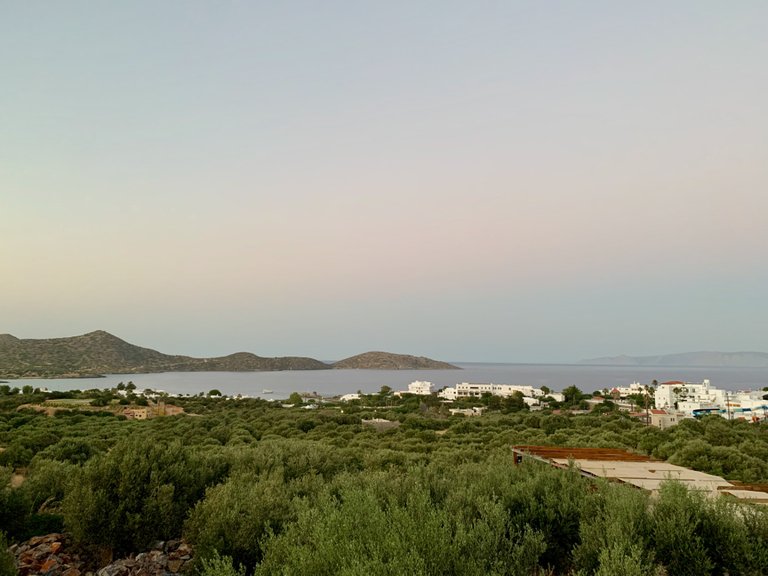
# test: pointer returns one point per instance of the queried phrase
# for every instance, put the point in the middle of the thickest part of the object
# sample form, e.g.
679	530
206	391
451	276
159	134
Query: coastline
339	382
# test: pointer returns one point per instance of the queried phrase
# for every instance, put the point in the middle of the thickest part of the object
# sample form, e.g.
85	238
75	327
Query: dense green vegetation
258	487
7	564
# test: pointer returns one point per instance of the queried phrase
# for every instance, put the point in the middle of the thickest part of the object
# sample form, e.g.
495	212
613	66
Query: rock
172	545
51	555
114	569
184	549
44	549
51	563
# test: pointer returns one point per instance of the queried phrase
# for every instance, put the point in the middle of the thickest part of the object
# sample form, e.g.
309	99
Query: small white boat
265	391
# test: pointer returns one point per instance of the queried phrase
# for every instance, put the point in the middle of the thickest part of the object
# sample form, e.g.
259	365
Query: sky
491	181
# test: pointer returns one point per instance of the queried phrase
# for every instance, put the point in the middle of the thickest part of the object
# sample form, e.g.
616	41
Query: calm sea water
334	382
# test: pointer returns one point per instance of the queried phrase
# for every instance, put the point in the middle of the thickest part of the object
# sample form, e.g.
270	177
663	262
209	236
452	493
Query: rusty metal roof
552	452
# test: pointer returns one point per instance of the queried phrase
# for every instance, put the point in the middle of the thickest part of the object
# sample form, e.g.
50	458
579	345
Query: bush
234	516
624	559
139	492
7	561
615	532
219	566
677	540
405	523
14	507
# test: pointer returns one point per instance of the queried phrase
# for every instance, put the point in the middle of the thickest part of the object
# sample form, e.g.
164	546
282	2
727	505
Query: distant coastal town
657	404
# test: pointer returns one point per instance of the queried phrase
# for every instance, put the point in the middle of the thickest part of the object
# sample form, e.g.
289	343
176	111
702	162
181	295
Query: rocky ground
54	555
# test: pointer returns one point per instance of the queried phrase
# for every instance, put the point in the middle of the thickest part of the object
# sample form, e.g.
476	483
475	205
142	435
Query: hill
703	359
388	361
99	353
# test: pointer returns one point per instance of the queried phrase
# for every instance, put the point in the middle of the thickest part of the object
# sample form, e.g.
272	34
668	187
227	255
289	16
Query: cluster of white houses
531	396
691	400
677	400
674	400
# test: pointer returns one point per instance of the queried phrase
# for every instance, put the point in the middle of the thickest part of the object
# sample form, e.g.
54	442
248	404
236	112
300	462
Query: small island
389	361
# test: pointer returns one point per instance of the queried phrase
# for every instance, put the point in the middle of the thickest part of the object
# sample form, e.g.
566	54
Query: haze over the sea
500	181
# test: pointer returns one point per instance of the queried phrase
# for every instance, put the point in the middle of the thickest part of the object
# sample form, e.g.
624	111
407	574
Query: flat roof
750	495
648	474
639	470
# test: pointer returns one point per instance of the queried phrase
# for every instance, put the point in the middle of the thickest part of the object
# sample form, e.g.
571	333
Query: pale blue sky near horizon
511	181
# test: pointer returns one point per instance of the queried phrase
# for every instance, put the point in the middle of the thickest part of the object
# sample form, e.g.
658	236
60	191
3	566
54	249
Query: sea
329	383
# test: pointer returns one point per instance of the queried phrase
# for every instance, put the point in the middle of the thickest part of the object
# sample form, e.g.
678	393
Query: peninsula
97	353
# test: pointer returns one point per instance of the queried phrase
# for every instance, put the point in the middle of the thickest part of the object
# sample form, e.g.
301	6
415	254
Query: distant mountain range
99	352
703	359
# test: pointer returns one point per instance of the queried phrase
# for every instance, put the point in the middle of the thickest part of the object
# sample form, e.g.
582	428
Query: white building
556	396
677	394
477	411
624	391
531	396
418	387
469	389
532	402
700	399
663	418
350	397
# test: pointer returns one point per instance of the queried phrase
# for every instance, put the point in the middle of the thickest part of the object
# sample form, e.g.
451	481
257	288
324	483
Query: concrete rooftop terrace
637	470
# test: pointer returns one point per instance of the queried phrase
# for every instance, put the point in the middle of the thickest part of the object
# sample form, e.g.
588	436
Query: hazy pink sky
477	181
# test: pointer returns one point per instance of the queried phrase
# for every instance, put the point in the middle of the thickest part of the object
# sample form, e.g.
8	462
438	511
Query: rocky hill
703	359
99	353
388	361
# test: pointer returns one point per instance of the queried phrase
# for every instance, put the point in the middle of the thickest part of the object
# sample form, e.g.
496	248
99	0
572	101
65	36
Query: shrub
7	561
219	566
140	491
234	516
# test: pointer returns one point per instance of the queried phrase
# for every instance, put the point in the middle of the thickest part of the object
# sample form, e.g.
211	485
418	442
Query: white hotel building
531	395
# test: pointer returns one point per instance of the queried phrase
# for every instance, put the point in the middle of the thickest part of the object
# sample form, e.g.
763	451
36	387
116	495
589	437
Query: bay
278	385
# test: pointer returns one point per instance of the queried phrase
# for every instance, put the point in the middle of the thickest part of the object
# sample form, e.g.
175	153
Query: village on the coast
659	404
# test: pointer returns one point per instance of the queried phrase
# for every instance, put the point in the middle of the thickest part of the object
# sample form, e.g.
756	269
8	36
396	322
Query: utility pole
647	414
